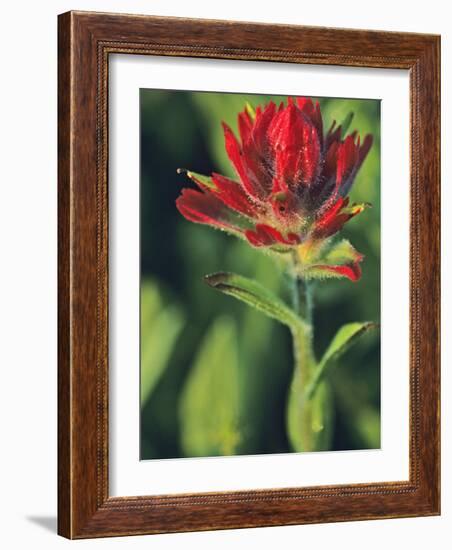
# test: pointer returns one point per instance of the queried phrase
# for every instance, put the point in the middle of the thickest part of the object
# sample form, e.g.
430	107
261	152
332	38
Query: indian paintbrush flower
291	193
290	198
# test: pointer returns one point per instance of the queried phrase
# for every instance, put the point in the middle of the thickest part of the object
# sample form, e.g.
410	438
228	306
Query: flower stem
307	419
302	298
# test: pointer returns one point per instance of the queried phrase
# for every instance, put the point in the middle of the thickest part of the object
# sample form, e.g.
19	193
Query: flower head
291	189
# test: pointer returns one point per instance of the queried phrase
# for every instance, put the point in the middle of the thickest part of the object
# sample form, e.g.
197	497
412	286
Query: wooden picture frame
86	40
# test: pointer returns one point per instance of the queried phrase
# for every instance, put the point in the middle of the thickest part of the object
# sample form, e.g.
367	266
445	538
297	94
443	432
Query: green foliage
335	253
261	349
344	338
309	420
160	326
341	253
310	402
255	295
209	405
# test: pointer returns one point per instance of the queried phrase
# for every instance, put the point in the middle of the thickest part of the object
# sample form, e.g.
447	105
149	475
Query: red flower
292	183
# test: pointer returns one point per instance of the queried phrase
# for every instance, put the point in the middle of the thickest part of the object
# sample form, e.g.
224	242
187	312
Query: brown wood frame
85	42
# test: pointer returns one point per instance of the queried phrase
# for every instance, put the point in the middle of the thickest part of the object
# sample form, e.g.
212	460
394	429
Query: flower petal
296	147
234	152
261	124
364	149
351	271
335	217
265	235
232	194
227	190
347	158
254	238
245	126
329	169
356	158
327	224
333	135
205	208
306	106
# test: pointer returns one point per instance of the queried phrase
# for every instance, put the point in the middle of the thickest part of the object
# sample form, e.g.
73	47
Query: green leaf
160	327
344	338
209	406
255	295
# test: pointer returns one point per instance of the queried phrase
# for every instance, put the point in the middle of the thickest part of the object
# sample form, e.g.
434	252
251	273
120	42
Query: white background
28	271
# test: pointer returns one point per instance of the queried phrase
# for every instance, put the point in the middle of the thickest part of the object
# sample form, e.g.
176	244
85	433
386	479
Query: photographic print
241	214
260	274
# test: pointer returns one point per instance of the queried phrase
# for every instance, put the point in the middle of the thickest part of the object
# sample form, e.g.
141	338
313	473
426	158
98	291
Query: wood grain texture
85	42
64	295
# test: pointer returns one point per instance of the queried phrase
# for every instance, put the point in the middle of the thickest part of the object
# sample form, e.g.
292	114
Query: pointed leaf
255	295
344	338
209	403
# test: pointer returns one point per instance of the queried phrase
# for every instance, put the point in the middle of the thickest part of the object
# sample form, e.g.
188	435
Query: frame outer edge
431	250
425	231
83	509
64	291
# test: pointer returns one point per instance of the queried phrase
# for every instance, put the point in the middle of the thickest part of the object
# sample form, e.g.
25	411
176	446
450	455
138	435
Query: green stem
307	419
303	334
302	298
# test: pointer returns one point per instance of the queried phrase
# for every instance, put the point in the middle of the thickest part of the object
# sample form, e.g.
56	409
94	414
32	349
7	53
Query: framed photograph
248	275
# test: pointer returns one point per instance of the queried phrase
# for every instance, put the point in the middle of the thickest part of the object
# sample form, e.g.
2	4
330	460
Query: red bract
292	182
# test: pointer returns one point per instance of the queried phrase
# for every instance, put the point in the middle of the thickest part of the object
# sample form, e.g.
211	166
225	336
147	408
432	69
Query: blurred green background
214	373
